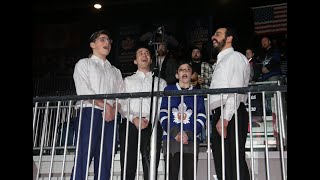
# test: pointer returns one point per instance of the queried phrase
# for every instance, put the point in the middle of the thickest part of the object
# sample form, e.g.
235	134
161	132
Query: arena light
97	6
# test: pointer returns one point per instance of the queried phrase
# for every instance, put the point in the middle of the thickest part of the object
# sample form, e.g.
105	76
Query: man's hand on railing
144	122
224	126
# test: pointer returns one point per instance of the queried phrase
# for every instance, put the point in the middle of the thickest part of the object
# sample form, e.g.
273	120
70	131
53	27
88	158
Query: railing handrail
242	90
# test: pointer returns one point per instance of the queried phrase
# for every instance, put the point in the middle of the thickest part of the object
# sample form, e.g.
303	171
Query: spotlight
97	6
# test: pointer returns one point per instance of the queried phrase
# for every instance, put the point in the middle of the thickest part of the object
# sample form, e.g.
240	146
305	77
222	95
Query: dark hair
195	47
232	32
250	48
266	37
183	62
96	34
141	45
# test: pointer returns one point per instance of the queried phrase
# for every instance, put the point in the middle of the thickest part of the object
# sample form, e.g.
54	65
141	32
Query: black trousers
230	145
174	166
133	148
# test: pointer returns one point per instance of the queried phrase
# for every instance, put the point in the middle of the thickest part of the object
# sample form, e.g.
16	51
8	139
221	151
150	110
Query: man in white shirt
232	70
141	81
95	75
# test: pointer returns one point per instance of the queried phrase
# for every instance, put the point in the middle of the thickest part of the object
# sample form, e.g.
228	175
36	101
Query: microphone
160	29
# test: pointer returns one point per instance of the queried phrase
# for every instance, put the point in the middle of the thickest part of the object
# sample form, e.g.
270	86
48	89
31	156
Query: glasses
104	39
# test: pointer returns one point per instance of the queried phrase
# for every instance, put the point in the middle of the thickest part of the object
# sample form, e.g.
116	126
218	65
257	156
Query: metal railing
54	131
53	86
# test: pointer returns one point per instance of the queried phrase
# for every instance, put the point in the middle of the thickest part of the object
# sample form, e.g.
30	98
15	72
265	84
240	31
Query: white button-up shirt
140	82
160	60
96	76
232	70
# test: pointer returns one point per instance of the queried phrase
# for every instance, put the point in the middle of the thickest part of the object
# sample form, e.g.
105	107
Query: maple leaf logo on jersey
181	113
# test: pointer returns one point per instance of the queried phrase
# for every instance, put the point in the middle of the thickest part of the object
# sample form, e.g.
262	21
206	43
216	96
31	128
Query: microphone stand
157	73
154	120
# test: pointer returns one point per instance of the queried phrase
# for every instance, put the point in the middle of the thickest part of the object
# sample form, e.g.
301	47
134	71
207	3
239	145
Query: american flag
270	19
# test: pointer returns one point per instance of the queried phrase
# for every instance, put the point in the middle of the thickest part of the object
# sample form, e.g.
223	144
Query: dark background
61	29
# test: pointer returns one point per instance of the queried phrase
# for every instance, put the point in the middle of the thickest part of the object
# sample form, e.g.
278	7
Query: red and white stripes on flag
270	19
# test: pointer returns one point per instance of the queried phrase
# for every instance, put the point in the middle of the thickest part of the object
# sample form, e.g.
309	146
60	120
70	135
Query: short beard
221	45
161	53
196	60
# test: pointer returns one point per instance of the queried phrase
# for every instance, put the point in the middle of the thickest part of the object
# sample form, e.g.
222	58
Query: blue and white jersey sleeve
164	113
201	114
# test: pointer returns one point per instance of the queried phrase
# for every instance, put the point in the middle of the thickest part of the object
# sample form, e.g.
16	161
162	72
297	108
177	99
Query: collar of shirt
140	73
179	88
223	53
100	61
160	60
249	59
196	62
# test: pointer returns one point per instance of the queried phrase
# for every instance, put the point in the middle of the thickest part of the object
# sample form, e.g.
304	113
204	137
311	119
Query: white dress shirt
251	69
140	82
96	76
232	70
160	60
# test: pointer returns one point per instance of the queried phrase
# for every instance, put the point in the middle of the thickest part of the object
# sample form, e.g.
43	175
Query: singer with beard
232	70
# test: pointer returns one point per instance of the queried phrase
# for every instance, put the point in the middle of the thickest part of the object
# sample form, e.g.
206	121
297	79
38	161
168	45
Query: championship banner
126	43
198	31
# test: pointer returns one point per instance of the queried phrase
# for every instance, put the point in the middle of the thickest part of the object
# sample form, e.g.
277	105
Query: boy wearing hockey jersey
182	110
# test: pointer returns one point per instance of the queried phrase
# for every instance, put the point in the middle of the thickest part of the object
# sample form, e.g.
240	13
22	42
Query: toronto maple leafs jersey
182	110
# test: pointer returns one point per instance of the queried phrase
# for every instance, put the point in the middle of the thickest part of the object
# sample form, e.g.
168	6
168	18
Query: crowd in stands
55	65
